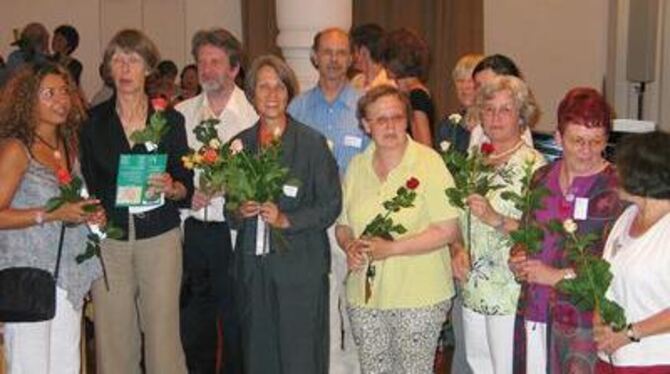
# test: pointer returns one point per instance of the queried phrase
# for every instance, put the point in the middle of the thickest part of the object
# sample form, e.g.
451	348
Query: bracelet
39	217
631	334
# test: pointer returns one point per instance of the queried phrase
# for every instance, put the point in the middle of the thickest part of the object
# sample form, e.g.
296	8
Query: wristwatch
569	274
631	334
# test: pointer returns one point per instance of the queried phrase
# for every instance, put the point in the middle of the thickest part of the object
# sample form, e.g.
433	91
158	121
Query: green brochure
132	181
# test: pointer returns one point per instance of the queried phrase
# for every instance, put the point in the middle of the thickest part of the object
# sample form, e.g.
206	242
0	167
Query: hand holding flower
271	214
249	209
163	183
378	248
356	258
72	212
607	340
536	271
482	209
516	261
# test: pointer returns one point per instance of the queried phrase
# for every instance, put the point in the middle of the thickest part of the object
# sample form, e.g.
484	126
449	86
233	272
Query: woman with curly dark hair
406	58
40	111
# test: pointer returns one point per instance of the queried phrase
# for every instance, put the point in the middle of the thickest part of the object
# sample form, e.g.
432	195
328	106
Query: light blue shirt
336	121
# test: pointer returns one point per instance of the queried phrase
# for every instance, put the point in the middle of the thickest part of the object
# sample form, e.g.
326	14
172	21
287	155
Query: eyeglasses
505	111
127	60
49	93
386	120
583	142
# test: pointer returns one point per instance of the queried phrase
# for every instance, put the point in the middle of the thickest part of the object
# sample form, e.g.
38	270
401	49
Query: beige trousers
143	297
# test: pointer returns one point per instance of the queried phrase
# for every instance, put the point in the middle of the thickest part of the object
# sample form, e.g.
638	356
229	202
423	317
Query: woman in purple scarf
551	334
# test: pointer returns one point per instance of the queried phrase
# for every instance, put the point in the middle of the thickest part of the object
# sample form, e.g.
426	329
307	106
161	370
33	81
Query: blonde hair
465	65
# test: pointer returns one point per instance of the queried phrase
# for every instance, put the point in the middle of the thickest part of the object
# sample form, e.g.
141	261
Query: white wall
170	24
558	44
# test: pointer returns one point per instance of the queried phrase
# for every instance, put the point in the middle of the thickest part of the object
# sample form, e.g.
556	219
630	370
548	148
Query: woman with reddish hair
551	334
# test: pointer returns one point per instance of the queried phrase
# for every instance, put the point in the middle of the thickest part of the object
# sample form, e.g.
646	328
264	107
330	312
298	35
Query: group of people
185	289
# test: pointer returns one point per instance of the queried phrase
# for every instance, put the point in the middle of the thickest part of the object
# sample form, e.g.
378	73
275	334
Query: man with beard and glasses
330	107
207	305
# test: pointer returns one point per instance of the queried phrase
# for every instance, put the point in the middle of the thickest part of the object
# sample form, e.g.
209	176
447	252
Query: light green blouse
490	287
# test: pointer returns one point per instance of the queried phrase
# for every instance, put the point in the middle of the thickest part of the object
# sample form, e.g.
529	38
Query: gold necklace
496	156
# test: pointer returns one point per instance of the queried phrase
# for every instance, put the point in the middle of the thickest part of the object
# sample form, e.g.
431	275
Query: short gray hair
523	98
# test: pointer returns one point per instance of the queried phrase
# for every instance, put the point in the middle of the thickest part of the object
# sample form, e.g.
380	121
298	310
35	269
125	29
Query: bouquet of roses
382	225
72	190
209	159
587	290
252	177
152	134
529	235
472	174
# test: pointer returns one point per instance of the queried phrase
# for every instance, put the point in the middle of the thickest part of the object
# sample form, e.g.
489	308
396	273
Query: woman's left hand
378	248
607	339
538	272
482	209
162	183
273	216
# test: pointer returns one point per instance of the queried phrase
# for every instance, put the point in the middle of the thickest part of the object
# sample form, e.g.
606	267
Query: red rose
412	183
63	176
159	104
210	156
487	148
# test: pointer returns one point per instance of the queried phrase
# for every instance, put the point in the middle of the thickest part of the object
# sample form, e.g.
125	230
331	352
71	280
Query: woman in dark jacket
283	294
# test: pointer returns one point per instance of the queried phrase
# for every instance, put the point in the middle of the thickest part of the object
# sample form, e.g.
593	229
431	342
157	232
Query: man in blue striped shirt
330	106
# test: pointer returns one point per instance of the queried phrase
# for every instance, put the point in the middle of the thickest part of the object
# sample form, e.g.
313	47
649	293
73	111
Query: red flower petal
63	176
159	104
487	148
412	183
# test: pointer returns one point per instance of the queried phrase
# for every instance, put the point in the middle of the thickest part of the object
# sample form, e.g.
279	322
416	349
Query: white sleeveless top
641	285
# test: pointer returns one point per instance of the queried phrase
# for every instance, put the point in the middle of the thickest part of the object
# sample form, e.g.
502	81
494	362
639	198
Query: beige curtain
451	28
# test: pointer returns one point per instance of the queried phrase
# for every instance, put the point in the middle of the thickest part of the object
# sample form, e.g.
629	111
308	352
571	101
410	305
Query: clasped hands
532	270
268	211
363	250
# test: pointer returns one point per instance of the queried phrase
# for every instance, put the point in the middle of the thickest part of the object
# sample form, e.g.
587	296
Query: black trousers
207	298
283	309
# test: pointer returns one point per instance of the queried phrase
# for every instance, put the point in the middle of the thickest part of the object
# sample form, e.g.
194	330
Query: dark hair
370	36
18	117
500	64
285	73
167	68
377	93
584	106
187	68
643	162
128	41
220	38
405	54
71	36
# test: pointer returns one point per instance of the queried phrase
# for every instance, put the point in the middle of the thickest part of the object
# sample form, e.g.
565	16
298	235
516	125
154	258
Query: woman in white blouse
638	251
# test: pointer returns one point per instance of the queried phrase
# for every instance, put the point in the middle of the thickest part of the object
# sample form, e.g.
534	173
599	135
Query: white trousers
343	354
536	347
489	342
49	347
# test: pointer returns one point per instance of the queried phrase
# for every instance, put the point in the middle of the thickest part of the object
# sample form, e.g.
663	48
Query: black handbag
29	294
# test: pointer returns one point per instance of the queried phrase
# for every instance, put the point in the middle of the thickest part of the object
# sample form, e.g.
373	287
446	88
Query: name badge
290	191
353	141
581	208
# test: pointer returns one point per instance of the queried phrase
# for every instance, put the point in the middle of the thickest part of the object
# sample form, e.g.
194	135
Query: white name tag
581	208
353	141
290	191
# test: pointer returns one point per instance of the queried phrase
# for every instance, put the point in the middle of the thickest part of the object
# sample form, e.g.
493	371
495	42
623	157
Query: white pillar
298	21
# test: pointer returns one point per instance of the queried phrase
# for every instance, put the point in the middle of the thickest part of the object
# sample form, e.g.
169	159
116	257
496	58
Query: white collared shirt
238	115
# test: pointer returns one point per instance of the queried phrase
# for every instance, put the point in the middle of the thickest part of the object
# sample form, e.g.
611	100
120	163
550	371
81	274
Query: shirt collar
348	97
